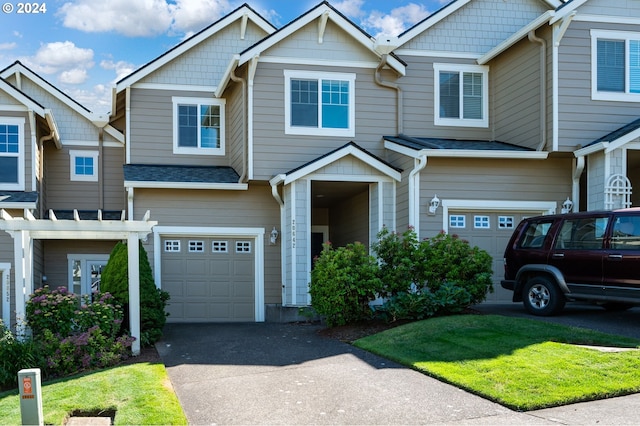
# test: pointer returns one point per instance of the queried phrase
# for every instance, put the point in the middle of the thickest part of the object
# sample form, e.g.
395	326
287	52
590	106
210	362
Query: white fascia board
600	146
568	9
532	206
53	126
623	140
350	150
207	230
222	84
516	37
18	206
112	131
193	41
186	185
431	21
465	153
22	98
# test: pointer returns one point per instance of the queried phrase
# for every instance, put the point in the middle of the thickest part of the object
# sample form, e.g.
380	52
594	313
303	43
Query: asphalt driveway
270	373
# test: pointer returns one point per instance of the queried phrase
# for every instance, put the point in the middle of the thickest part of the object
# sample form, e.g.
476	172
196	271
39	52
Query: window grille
617	192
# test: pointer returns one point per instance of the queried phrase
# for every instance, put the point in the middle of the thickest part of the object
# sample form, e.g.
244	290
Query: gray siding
204	64
621	8
478	26
508	180
275	152
581	119
418	92
596	176
62	193
201	208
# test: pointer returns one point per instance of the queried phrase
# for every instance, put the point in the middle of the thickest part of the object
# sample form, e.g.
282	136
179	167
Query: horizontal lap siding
582	120
202	208
495	180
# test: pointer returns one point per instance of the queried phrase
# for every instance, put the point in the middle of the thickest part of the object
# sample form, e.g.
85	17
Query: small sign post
30	396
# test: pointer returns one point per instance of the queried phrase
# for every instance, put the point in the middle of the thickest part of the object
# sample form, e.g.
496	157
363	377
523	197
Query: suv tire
542	297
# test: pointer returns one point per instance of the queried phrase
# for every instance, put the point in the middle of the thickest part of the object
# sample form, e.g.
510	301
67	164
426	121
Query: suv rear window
582	234
626	233
535	234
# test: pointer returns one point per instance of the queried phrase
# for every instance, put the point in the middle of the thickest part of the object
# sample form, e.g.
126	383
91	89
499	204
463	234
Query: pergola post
134	290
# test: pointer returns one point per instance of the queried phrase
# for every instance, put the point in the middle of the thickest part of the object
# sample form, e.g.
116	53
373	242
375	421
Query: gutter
396	87
578	168
543	88
274	182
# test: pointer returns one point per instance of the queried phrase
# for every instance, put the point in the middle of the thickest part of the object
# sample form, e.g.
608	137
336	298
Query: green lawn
520	363
141	394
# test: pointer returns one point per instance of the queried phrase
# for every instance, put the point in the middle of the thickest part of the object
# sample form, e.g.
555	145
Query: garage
210	279
489	230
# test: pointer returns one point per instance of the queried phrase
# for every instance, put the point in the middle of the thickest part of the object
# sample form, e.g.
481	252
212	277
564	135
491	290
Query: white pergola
24	230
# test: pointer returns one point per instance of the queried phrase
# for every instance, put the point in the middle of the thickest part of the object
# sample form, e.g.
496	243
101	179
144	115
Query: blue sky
84	46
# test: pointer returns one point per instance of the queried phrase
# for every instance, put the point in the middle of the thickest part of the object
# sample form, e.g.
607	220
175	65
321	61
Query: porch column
134	290
18	250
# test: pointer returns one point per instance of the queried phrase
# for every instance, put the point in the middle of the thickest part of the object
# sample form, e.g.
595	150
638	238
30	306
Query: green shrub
343	282
53	310
115	280
15	355
397	255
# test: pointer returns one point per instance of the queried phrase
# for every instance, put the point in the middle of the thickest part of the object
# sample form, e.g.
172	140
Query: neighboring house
250	146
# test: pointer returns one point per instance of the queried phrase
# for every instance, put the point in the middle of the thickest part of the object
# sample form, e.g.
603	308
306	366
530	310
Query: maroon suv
589	256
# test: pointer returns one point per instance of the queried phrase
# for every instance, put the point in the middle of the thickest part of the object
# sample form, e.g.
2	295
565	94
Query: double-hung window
319	103
461	95
615	65
198	126
11	153
84	165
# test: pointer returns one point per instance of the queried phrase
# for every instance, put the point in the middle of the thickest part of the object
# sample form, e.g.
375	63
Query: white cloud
61	56
73	76
398	20
350	8
7	46
190	16
137	18
121	68
97	100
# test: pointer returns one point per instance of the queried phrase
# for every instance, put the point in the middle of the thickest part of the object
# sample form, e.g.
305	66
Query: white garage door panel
208	286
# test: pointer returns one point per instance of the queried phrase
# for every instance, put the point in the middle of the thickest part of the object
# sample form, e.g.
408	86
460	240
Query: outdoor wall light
567	206
273	237
434	204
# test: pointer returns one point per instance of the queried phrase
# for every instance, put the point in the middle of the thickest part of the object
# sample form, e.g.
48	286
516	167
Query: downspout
101	168
41	142
543	88
575	187
243	82
276	195
380	82
414	192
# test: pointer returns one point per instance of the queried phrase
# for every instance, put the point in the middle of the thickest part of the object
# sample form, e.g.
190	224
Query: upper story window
84	165
615	65
12	153
319	103
461	95
198	126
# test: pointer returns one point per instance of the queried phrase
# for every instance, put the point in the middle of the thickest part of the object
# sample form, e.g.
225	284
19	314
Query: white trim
5	267
73	176
14	108
536	207
608	19
257	234
567	10
437	54
289	129
198	102
90	144
625	36
186	185
22	142
175	87
331	63
461	69
600	146
83	258
27	103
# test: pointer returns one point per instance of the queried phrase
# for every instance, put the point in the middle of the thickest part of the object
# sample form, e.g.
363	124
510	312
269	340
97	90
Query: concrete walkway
249	374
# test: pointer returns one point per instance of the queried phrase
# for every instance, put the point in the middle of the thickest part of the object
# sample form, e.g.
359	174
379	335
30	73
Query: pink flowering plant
52	310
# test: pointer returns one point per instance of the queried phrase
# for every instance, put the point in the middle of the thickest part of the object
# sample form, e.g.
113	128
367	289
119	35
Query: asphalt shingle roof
18	197
440	143
618	133
168	173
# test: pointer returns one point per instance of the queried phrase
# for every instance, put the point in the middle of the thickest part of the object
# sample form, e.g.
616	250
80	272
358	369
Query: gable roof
98	120
613	140
442	147
444	12
350	148
242	12
322	11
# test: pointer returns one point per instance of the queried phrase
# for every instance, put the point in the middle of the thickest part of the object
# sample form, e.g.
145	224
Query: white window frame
85	277
196	246
461	69
20	122
243	247
198	102
350	131
481	221
458	221
220	246
506	222
625	36
73	154
171	246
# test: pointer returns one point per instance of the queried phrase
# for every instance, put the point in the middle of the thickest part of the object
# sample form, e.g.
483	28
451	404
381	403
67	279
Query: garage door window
481	222
220	246
456	221
505	222
196	246
172	246
243	246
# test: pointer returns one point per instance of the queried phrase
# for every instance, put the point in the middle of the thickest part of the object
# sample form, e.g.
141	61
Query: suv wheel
542	297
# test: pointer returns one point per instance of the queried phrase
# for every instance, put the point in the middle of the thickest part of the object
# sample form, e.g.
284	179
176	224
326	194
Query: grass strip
140	393
520	363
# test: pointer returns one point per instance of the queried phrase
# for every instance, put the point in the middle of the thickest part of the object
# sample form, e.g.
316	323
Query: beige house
251	145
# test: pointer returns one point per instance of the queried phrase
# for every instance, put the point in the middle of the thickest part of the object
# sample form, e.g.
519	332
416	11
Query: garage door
491	232
209	279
